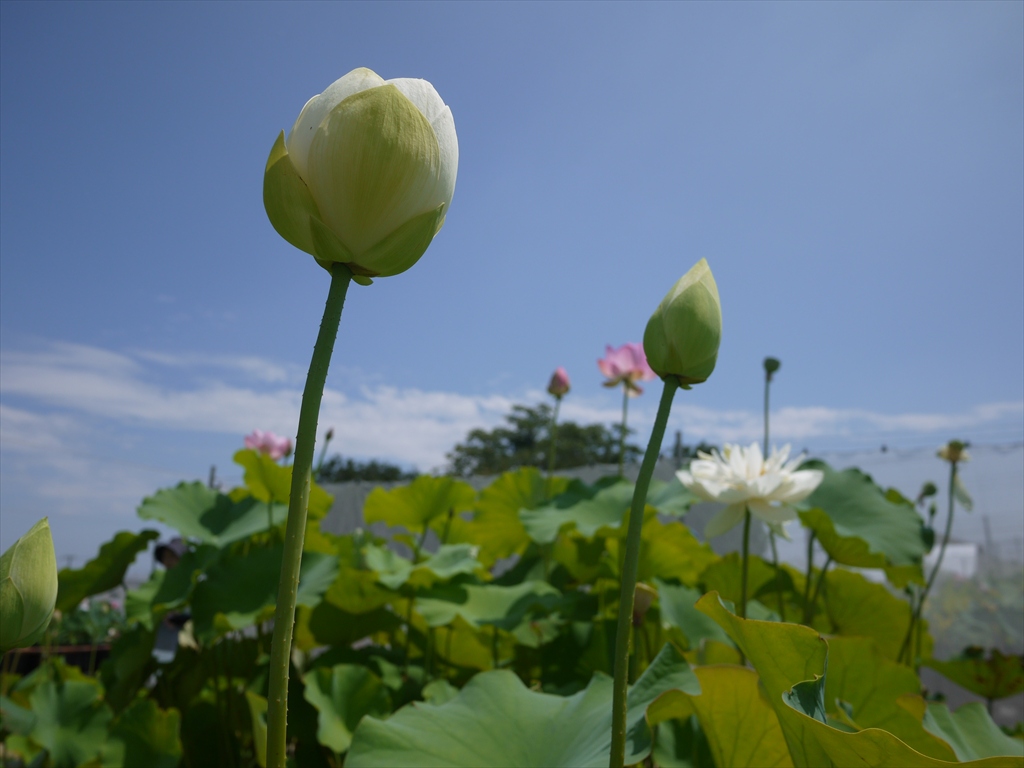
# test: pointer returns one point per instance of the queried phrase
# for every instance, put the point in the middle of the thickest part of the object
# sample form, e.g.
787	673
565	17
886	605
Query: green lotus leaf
202	513
343	695
677	610
16	719
70	720
439	692
103	572
742	728
415	505
167	589
871	686
860	608
671	498
128	667
971	732
995	677
478	605
858	524
605	509
473	729
790	660
240	589
670	551
268	481
393	570
143	735
28	587
495	526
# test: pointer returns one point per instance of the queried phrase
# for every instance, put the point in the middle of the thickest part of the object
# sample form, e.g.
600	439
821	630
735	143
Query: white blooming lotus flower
742	479
366	175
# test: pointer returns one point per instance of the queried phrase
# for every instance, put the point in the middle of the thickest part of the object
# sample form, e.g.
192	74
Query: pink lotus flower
626	365
267	442
559	384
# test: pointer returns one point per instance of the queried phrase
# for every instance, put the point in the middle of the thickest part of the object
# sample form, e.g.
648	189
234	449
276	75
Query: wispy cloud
61	406
232	395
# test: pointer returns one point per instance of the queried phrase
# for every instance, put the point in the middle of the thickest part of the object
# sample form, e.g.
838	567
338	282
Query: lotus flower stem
298	503
630	566
915	617
771	533
622	433
821	581
552	438
807	581
746	558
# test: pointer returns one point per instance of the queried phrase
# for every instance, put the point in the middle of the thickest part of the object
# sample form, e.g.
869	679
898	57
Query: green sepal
362	279
403	247
289	204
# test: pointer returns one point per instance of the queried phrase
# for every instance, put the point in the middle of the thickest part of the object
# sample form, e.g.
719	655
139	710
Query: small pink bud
559	384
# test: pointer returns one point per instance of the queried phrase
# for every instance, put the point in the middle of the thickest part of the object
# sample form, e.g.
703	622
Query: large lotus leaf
143	735
484	604
415	505
268	481
129	665
464	645
103	572
742	728
858	524
327	624
343	695
677	610
860	608
240	589
604	510
583	558
671	498
166	590
199	512
670	551
971	732
868	686
497	721
393	570
725	576
495	526
783	655
995	677
71	720
791	659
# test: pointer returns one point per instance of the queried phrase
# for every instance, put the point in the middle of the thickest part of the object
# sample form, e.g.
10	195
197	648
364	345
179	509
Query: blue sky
854	174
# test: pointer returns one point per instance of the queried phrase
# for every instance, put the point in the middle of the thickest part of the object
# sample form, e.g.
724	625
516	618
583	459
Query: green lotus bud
28	588
683	334
771	365
366	175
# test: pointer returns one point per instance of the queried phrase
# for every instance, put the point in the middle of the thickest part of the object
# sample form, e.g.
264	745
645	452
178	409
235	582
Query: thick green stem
298	502
629	571
821	581
553	436
622	433
771	533
808	610
915	617
746	559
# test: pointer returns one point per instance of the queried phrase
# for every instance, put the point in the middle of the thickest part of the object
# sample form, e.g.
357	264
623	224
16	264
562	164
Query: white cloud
233	395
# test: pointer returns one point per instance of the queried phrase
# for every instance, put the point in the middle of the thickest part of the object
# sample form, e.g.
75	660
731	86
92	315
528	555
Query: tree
339	470
525	442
